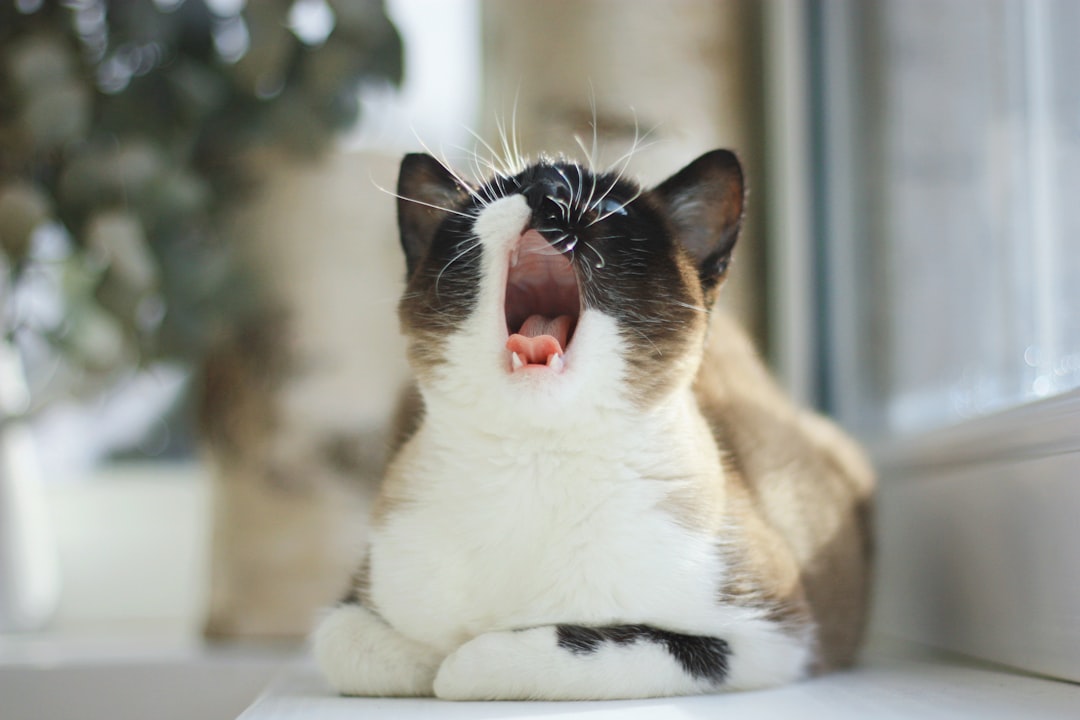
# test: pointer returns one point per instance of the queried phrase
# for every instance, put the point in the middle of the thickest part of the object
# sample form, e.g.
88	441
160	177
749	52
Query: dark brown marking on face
442	258
664	308
428	194
651	260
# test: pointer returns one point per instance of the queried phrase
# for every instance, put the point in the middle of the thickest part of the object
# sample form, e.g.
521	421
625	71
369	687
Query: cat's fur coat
599	492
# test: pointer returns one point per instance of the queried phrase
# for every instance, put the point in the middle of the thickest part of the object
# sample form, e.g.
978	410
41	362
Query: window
961	161
946	174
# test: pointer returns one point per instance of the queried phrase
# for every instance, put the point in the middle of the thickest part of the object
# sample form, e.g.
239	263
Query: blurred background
199	270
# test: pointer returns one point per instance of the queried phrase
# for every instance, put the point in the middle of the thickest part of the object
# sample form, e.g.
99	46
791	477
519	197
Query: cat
598	492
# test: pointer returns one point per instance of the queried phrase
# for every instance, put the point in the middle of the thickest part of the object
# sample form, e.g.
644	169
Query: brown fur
406	421
359	592
801	499
651	373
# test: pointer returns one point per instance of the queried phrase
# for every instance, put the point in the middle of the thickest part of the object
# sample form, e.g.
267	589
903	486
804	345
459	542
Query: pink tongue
539	338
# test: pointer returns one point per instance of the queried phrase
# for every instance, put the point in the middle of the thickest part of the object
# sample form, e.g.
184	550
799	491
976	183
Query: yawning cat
598	492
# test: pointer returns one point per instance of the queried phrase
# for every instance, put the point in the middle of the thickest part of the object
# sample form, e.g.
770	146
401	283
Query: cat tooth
514	256
555	362
516	362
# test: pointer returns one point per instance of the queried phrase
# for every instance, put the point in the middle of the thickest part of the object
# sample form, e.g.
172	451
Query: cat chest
486	547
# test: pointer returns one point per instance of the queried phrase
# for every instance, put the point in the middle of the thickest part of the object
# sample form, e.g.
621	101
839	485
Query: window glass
963	260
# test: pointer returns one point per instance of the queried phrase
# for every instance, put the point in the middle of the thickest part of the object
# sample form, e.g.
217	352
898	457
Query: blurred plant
124	126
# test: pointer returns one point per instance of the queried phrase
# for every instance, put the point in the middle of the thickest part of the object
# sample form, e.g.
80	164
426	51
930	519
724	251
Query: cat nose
543	191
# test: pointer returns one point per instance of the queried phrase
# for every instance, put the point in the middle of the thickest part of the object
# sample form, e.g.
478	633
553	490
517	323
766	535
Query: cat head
556	287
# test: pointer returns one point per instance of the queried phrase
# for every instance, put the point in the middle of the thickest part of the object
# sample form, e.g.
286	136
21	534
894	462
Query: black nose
547	194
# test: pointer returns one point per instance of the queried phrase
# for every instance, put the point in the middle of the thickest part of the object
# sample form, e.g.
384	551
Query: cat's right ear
427	194
705	203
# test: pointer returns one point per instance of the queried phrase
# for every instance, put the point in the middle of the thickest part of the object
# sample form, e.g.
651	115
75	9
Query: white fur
362	655
530	665
539	499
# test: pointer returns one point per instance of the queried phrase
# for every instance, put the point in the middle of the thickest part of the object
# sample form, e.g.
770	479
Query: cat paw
359	654
492	666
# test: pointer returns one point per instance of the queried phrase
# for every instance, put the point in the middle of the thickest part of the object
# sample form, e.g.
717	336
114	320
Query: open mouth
542	304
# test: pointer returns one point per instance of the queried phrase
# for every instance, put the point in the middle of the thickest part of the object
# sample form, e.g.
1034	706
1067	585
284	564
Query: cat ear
428	193
704	202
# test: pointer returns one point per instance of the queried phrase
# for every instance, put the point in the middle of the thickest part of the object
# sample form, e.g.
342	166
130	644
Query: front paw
488	667
359	654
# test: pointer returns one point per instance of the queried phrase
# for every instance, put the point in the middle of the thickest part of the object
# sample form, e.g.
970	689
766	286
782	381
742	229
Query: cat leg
360	654
572	662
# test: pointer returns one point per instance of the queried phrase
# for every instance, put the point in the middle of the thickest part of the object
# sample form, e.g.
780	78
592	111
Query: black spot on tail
578	639
703	658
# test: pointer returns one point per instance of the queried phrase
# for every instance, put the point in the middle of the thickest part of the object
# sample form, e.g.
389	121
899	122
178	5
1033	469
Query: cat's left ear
428	193
705	203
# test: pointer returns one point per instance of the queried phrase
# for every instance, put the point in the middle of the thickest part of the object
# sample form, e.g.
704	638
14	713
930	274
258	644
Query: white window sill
893	682
977	529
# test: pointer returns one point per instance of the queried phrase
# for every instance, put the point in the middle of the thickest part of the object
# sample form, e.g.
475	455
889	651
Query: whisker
587	205
602	263
569	189
475	244
547	251
584	151
503	189
596	205
485	187
562	204
446	166
636	146
476	158
609	213
648	340
507	153
507	170
513	129
688	306
594	156
421	202
592	167
591	155
577	199
625	160
552	243
494	188
479	177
